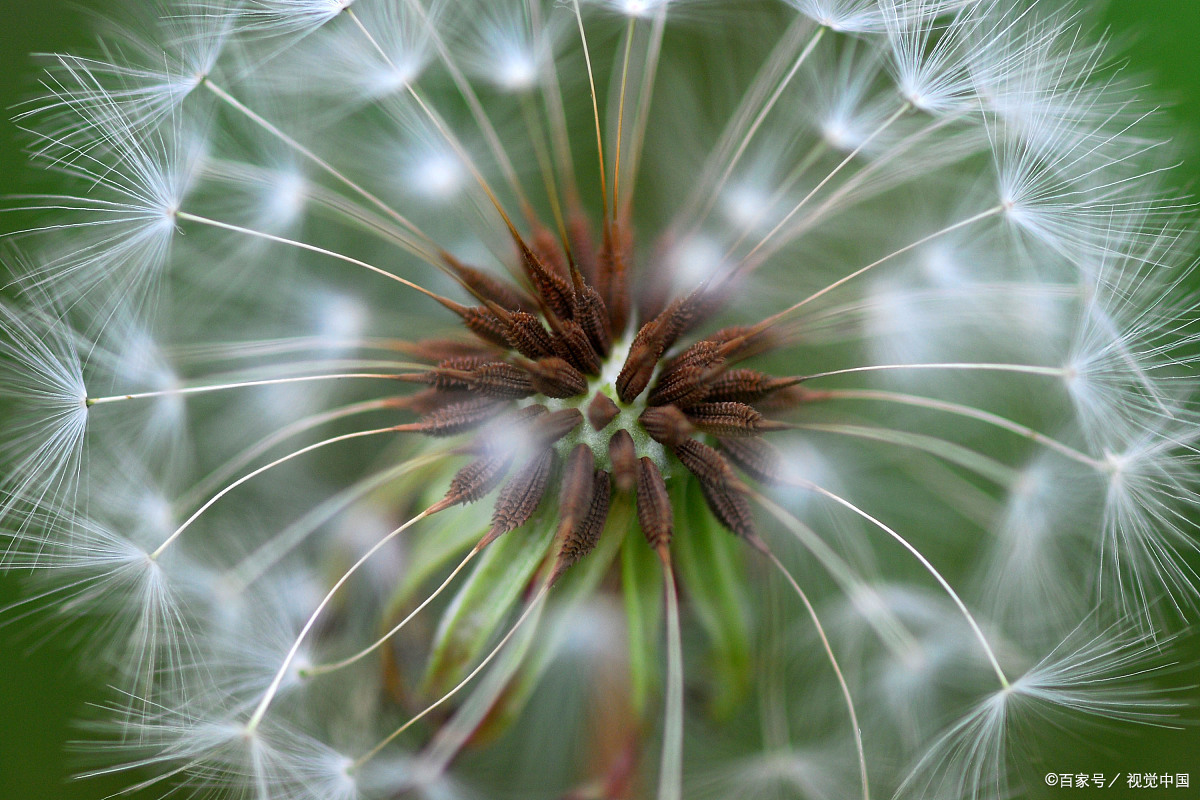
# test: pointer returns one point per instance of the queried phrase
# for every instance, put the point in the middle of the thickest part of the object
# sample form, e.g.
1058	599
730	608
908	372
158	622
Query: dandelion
633	398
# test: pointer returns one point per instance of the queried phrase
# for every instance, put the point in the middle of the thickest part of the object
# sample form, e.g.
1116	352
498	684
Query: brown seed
488	286
730	419
601	411
521	419
731	508
554	377
529	413
654	505
457	417
576	490
579	232
527	336
680	316
666	425
685	381
548	249
701	354
554	290
592	316
548	429
500	380
746	386
639	365
573	344
756	457
730	333
479	477
466	363
582	539
522	495
791	397
745	340
438	350
623	455
706	464
612	275
429	400
431	378
486	325
480	376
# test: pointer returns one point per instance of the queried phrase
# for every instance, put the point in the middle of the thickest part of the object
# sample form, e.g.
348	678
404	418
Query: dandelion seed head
511	46
636	9
431	170
339	319
850	16
276	17
1091	673
287	199
693	260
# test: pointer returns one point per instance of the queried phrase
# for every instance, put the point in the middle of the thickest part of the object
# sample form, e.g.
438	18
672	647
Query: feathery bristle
940	226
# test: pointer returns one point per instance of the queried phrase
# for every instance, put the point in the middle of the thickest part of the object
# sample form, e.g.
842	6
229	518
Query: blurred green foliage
45	689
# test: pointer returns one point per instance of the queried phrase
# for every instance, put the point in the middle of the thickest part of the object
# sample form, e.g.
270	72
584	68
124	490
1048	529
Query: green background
43	688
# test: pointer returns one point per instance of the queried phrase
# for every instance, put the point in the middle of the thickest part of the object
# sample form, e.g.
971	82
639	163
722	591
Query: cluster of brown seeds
547	346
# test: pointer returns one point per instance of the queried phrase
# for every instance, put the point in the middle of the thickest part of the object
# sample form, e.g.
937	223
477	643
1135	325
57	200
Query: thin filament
771	320
534	604
1023	369
621	115
277	681
965	411
275	131
220	387
587	57
283	434
758	121
670	774
899	112
336	665
312	248
917	554
251	475
833	662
